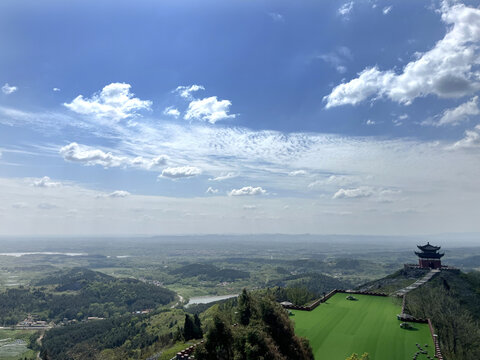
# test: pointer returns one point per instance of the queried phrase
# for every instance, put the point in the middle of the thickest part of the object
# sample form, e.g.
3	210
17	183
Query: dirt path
180	300
39	342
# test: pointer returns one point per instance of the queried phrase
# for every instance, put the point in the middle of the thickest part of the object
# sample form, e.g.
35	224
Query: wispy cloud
470	141
46	206
224	176
337	58
8	89
345	9
45	182
276	17
298	173
172	111
118	194
457	115
186	91
211	191
247	191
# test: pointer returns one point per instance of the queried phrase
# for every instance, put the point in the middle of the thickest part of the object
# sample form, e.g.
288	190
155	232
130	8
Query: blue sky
172	117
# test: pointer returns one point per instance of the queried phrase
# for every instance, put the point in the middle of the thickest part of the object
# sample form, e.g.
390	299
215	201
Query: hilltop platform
339	327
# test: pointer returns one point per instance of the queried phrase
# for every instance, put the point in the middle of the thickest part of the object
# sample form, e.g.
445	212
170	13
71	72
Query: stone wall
186	354
438	353
317	302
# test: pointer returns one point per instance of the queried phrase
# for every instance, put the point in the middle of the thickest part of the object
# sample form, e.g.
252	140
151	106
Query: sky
239	117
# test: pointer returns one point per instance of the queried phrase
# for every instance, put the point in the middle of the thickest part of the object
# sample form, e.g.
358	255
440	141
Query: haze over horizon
125	118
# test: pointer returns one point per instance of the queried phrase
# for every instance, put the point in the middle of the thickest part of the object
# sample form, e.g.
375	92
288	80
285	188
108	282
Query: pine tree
197	327
188	328
244	308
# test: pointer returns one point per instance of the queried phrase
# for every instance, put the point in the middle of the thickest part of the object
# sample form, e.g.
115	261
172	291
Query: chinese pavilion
429	257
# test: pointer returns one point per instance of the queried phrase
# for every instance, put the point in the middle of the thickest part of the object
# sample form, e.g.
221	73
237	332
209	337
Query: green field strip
340	327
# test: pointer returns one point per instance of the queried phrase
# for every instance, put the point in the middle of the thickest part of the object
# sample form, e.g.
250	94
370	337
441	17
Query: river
209	299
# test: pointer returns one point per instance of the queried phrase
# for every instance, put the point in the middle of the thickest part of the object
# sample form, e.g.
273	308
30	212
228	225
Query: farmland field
13	344
340	327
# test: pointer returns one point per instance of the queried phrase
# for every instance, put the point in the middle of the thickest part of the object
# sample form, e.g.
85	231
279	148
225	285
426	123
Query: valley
78	296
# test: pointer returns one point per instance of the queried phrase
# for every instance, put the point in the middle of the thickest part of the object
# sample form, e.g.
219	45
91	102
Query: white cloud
209	109
471	140
339	179
370	122
88	156
276	17
82	154
448	70
171	111
345	9
297	173
186	91
159	160
224	176
8	89
115	102
56	89
180	172
118	194
387	9
249	207
45	182
354	193
369	83
247	190
316	183
211	191
149	163
459	114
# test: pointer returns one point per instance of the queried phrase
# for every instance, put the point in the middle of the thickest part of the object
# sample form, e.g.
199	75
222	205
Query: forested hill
452	301
78	294
254	327
74	279
209	272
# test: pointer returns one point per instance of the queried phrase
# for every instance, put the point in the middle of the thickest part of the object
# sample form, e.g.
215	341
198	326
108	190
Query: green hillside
78	294
452	301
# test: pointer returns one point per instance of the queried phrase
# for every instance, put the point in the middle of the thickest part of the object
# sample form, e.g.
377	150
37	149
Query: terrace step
417	283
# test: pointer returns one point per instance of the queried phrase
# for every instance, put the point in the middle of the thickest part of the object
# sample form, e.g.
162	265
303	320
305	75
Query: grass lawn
340	327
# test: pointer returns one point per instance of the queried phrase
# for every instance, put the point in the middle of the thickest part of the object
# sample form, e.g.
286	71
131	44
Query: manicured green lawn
340	327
